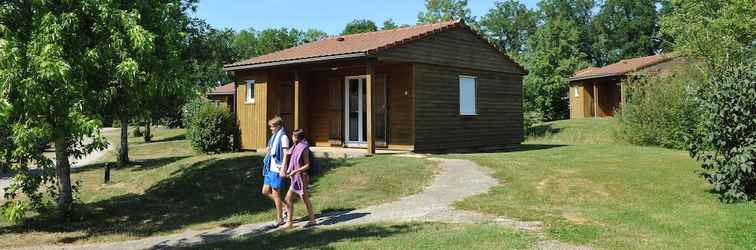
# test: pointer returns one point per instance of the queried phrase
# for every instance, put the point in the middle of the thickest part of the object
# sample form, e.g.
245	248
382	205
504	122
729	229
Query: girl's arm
306	162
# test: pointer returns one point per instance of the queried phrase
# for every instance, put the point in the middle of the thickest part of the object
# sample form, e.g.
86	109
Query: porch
365	104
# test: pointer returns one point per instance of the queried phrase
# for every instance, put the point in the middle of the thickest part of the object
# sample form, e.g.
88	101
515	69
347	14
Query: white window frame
577	91
474	97
250	95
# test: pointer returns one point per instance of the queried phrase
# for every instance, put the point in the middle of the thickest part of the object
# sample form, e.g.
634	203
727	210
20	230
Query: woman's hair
299	133
276	121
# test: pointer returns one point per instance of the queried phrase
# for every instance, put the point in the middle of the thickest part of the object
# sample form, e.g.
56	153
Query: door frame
362	141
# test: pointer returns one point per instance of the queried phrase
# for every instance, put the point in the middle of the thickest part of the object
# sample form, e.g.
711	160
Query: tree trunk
123	152
147	132
63	170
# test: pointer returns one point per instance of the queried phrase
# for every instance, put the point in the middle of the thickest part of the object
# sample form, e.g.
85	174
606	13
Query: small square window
250	98
467	95
577	92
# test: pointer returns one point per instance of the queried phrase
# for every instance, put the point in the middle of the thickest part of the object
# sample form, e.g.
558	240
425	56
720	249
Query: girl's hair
276	121
299	133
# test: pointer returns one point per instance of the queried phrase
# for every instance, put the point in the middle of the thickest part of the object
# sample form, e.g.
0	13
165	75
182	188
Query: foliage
190	109
725	140
13	211
136	132
313	35
658	110
445	10
713	30
625	29
389	25
210	128
359	26
510	24
554	56
272	40
530	119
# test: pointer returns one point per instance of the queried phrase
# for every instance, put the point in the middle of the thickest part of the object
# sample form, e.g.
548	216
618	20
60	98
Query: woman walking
298	171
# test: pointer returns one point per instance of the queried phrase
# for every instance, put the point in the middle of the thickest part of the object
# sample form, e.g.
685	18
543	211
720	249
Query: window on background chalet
467	95
250	91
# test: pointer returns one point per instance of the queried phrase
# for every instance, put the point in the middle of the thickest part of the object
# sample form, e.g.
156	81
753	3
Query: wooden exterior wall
251	117
326	106
439	125
598	98
456	47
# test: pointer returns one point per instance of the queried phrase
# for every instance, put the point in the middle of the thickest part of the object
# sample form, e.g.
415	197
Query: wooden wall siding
455	47
326	106
577	103
609	98
251	118
440	127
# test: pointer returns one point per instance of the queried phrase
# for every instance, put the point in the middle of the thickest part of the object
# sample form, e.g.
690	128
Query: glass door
355	116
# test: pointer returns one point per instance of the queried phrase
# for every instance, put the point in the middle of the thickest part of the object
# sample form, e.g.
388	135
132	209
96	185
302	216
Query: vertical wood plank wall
440	127
251	118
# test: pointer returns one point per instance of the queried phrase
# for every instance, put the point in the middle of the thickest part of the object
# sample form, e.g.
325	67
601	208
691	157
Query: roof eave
580	78
295	61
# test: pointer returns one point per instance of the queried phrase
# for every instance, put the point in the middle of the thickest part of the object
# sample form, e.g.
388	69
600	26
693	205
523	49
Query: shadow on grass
172	138
206	191
543	130
314	239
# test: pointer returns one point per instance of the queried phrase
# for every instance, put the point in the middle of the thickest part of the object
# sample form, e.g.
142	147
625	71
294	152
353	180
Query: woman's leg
306	199
290	207
266	191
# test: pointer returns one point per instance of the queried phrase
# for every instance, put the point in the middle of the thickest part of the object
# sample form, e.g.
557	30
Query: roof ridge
397	29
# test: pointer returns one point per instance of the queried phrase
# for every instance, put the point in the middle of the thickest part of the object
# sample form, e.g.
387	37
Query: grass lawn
611	195
170	188
386	236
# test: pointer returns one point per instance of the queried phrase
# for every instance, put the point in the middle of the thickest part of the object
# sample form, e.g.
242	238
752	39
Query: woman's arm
305	160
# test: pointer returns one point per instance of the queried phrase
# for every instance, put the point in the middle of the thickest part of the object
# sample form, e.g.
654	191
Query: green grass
612	195
386	236
170	188
575	131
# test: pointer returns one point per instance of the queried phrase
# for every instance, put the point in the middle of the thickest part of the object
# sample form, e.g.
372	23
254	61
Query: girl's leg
306	200
266	191
290	207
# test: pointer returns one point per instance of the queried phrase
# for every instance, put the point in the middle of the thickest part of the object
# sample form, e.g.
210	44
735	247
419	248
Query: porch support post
370	84
298	114
595	99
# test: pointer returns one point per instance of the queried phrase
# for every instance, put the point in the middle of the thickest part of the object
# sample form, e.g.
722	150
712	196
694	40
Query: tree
725	140
579	12
556	50
510	24
314	35
49	51
389	25
625	29
715	31
359	26
445	10
272	40
245	44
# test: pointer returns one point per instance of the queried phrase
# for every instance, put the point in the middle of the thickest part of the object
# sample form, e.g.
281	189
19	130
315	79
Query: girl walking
298	171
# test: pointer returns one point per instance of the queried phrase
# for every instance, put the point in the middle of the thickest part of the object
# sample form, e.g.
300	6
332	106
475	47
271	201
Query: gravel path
456	180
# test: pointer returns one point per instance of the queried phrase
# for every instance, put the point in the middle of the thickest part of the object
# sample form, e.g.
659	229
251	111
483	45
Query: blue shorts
273	180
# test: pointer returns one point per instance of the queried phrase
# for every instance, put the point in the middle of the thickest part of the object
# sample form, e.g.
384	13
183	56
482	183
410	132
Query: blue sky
327	15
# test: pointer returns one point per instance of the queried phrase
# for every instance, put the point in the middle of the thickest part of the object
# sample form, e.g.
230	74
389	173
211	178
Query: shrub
137	132
190	109
530	119
210	129
658	109
725	140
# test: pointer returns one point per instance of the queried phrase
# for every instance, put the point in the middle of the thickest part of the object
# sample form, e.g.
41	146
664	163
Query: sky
327	15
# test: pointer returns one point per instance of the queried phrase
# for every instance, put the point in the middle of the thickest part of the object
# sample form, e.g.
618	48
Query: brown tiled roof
357	44
621	68
227	89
